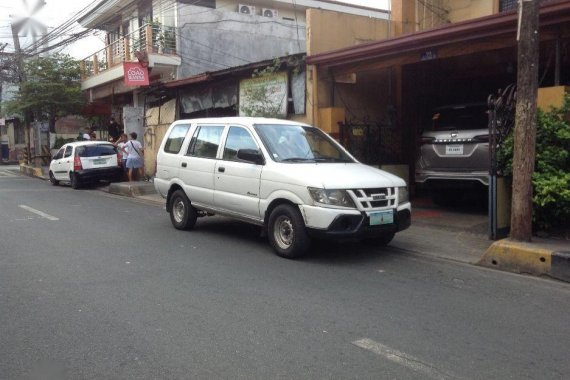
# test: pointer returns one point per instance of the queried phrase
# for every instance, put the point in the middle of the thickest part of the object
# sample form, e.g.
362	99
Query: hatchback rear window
460	118
96	150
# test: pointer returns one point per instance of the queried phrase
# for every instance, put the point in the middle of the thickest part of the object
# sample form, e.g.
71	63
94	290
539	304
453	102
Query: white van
290	178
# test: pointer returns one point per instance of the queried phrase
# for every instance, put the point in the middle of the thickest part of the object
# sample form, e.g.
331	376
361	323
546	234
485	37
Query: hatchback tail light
77	163
426	140
119	159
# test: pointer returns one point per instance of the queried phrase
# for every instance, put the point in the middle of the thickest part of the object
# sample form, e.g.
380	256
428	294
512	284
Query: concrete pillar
403	17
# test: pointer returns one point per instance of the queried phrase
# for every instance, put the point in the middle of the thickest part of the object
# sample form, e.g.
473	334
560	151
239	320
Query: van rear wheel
182	215
287	233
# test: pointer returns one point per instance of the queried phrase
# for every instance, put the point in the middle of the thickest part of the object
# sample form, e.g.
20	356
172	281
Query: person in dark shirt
113	129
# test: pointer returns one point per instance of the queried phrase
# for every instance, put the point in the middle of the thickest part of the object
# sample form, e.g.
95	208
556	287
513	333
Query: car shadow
321	251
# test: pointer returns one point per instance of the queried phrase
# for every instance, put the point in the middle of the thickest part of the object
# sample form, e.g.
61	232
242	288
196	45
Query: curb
531	258
132	189
31	171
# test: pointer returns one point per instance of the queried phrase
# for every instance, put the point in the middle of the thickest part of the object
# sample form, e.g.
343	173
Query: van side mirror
250	155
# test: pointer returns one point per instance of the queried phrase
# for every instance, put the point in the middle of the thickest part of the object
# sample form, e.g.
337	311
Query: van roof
242	120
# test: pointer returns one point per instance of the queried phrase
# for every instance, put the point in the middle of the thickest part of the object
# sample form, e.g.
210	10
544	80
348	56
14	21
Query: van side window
238	138
68	151
206	141
176	138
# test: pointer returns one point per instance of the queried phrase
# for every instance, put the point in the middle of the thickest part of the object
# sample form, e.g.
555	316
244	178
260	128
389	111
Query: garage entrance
391	90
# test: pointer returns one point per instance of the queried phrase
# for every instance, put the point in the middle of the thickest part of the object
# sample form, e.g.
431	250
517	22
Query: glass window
200	3
59	154
460	118
95	150
238	138
206	141
298	143
68	150
176	138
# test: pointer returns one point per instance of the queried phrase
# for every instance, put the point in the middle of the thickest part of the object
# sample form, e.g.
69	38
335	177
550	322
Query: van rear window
96	150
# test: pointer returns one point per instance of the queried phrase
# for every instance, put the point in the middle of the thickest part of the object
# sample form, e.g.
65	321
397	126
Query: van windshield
297	143
460	118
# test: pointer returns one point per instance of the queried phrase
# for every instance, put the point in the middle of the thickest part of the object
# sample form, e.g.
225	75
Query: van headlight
403	196
331	197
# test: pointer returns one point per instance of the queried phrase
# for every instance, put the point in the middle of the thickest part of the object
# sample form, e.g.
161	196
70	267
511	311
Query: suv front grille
375	198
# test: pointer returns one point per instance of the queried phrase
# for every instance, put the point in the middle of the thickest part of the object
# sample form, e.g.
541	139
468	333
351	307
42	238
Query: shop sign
135	74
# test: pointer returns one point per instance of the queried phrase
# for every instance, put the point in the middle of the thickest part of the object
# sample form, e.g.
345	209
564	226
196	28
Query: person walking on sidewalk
135	152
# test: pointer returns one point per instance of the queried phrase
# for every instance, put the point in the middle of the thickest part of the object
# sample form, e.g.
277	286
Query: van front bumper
340	224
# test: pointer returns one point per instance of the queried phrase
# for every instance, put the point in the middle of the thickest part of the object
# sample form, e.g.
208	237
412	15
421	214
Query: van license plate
382	217
454	150
100	161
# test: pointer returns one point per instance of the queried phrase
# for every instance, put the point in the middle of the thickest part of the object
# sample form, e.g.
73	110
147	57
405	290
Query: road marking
402	358
38	212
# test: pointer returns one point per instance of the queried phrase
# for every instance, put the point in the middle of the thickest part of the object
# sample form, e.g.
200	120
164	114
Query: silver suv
454	150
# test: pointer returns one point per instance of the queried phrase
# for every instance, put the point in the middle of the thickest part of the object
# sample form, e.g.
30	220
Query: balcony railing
150	38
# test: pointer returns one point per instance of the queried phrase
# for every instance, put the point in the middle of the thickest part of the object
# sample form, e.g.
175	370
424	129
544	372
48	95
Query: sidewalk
443	233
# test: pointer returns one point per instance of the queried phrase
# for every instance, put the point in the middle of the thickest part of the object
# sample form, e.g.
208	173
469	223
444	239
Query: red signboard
135	74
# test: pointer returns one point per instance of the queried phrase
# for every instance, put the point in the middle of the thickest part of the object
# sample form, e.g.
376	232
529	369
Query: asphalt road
94	286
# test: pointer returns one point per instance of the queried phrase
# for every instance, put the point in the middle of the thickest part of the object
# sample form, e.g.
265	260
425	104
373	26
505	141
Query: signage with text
135	74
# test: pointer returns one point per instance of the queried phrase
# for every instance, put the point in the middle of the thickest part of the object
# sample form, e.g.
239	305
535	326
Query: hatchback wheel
75	181
182	215
287	232
52	179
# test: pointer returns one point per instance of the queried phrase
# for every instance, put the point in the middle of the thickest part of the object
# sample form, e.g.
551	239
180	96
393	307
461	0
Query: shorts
134	163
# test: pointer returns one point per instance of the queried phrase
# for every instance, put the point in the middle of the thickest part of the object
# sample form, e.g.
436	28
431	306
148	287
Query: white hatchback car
86	161
290	178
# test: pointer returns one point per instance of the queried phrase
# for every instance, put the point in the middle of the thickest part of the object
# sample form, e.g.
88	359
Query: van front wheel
287	232
182	215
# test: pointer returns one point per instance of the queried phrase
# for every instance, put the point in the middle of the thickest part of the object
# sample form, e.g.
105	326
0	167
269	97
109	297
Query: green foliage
52	88
551	179
60	141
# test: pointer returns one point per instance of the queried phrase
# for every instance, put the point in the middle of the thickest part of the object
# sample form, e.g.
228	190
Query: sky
56	12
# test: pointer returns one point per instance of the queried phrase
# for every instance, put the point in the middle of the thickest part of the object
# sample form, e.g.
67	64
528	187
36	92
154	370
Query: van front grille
374	198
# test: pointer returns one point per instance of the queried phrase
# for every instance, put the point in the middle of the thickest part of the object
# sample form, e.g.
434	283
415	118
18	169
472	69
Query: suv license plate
100	161
454	149
381	217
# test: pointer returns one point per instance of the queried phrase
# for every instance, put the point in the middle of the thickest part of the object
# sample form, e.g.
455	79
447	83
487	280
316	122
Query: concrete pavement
448	234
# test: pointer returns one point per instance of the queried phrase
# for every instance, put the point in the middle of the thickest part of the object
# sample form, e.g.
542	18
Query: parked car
86	161
290	178
454	151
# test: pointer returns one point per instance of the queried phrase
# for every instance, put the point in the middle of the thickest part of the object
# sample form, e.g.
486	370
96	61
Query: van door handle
221	169
184	164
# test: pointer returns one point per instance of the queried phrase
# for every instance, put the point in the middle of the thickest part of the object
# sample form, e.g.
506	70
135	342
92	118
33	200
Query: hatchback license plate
454	150
99	161
381	217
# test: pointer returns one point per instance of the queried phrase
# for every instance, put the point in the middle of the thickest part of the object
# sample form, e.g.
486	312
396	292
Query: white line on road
38	212
402	358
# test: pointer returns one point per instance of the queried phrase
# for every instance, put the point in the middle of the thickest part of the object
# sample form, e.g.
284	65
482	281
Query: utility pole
21	79
525	120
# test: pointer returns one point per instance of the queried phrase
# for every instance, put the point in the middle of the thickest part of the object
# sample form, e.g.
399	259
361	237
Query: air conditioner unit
246	9
266	12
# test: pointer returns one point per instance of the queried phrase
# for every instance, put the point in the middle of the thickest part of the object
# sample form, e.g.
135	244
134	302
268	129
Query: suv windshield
460	118
295	143
96	150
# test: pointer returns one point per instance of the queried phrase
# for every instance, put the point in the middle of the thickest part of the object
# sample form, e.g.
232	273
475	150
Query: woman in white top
134	151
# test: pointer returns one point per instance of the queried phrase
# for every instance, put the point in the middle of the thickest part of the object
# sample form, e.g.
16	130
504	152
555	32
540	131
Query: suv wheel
182	215
287	233
52	179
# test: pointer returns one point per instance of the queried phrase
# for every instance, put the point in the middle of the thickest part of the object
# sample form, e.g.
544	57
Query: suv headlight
331	197
403	196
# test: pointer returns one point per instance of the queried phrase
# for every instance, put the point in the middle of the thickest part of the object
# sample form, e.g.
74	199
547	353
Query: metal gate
501	122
